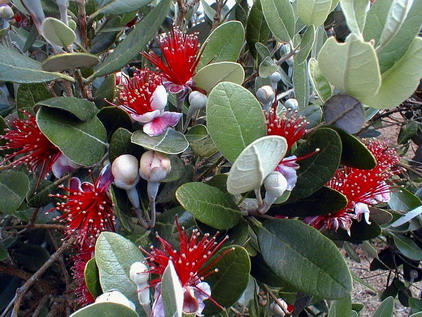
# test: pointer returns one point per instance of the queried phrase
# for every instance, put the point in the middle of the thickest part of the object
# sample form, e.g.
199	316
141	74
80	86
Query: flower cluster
192	264
362	188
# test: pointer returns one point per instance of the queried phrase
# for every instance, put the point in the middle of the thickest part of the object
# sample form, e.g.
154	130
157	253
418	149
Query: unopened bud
275	78
115	297
6	12
125	171
266	96
275	184
138	274
197	100
154	166
276	310
291	104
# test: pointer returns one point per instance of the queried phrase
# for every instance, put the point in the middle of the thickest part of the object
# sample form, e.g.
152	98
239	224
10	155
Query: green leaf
106	92
355	14
254	164
4	254
120	143
231	279
408	131
135	42
341	308
386	308
360	231
257	30
172	292
114	255
408	247
105	310
326	276
407	217
242	115
320	84
13	188
30	257
223	44
92	278
400	81
344	112
375	20
118	7
200	141
351	66
313	12
355	153
306	44
394	21
30	94
82	142
209	205
318	169
301	83
58	33
18	68
114	118
404	200
209	76
80	108
267	67
69	61
38	195
171	142
324	201
280	18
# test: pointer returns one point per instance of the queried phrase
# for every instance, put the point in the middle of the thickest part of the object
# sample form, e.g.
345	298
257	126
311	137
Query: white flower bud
6	12
125	171
138	274
115	297
197	100
276	309
154	166
291	104
275	184
266	96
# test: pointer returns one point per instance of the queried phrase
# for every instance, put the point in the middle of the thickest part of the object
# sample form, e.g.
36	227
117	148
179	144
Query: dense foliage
165	158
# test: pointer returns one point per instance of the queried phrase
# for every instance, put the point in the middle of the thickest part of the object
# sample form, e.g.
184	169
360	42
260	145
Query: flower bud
275	184
266	96
125	171
291	104
115	297
138	274
276	309
154	166
275	78
6	12
197	100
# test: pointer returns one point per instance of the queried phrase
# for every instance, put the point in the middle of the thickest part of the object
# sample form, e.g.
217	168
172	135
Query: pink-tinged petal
87	187
161	123
75	184
105	178
147	117
362	209
159	98
63	166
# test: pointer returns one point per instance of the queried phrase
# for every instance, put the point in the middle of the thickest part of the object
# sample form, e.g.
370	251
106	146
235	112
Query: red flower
32	148
362	188
179	57
190	261
288	125
81	258
88	210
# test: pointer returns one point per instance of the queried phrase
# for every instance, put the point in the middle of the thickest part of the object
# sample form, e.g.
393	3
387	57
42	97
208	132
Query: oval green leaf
114	255
171	142
327	276
29	94
82	142
408	247
92	278
118	7
105	310
280	18
321	85
235	119
351	66
223	44
257	30
254	164
209	205
306	44
13	188
66	61
18	68
313	12
301	83
386	308
209	76
171	292
355	14
231	279
58	33
80	108
400	81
